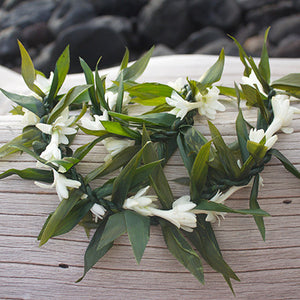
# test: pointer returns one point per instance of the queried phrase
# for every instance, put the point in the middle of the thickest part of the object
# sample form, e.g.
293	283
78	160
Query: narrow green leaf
189	142
119	102
203	238
125	60
182	250
28	71
254	205
242	135
29	102
26	139
60	213
67	100
123	181
213	206
30	173
156	119
214	73
100	89
118	129
136	69
89	77
289	83
115	227
92	253
115	163
199	171
158	179
225	155
138	228
60	73
264	66
286	163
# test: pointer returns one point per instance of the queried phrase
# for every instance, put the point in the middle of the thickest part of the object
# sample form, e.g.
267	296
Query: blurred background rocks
95	28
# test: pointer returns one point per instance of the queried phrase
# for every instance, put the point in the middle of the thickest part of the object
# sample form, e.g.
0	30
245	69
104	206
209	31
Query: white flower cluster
206	104
283	116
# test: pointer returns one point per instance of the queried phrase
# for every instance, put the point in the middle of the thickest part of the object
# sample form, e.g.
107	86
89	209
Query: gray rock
9	4
27	13
219	13
199	39
8	43
252	4
127	8
265	15
288	47
164	21
215	47
36	34
284	27
162	50
244	32
69	13
88	40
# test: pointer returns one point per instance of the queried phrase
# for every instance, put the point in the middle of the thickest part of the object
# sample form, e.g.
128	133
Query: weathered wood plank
268	270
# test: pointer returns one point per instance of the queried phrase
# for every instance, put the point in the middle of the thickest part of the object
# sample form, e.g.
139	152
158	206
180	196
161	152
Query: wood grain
268	270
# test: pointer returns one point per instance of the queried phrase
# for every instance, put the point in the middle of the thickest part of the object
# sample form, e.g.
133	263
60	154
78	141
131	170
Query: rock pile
95	28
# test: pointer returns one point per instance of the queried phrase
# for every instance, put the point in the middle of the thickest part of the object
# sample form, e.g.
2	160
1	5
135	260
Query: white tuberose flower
220	198
96	123
209	104
29	118
60	126
98	210
116	145
180	215
257	135
111	99
283	115
181	106
178	84
61	183
44	83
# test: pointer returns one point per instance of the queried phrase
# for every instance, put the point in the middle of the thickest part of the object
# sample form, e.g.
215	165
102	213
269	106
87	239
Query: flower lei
139	146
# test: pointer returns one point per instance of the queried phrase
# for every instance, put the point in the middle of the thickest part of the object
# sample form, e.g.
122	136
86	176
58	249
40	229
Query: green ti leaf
115	227
264	66
254	205
158	179
30	174
203	238
182	250
199	171
29	102
60	73
28	71
92	253
214	73
66	101
242	135
124	180
138	228
289	83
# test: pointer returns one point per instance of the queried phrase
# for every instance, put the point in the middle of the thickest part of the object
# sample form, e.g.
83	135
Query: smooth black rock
69	13
126	8
8	43
9	4
288	47
219	13
27	13
284	27
164	22
36	34
265	15
90	41
199	39
215	47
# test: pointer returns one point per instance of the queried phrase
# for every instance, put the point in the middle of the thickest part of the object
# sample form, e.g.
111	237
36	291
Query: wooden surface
268	270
